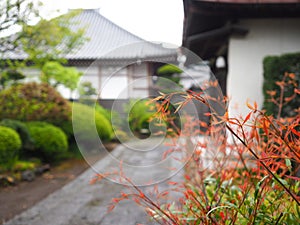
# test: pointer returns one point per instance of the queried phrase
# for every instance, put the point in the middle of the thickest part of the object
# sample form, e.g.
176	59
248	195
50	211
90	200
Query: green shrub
85	118
24	165
105	112
275	68
139	114
143	121
50	142
10	143
34	102
21	129
168	79
110	115
168	70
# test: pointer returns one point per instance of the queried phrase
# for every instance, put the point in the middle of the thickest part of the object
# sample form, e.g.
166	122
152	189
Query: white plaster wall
265	37
109	81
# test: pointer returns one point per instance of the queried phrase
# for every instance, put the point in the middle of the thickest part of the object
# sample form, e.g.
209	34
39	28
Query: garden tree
48	40
55	74
13	15
46	44
10	76
51	40
86	90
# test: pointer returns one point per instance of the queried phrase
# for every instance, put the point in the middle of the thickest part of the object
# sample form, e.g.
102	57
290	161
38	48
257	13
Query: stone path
79	203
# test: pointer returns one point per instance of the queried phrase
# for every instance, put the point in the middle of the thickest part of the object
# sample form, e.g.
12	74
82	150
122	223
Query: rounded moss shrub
21	129
86	120
34	102
50	142
10	143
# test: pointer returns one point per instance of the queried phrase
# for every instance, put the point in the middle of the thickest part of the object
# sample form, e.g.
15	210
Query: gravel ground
79	203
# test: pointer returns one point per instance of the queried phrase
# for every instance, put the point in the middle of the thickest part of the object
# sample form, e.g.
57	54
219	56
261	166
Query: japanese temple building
112	58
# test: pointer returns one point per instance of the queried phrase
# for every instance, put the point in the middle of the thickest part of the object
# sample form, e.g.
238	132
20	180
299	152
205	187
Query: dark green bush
274	69
50	142
85	118
34	102
10	143
21	129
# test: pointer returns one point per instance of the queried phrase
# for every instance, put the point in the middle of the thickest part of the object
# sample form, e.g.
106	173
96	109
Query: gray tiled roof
107	41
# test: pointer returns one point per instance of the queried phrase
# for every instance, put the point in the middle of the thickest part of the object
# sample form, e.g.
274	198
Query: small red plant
253	171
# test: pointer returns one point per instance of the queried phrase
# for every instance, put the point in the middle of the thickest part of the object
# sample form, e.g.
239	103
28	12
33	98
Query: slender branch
282	138
147	199
263	164
278	219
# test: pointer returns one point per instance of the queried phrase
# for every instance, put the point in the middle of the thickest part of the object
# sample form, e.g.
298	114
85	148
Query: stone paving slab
79	203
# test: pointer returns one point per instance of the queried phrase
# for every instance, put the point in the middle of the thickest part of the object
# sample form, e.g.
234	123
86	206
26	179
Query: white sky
152	20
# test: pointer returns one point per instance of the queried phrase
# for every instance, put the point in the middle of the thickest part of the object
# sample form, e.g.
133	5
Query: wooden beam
223	31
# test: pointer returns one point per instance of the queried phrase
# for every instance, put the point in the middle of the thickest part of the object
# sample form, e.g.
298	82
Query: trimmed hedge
84	122
34	102
10	144
274	69
50	142
21	129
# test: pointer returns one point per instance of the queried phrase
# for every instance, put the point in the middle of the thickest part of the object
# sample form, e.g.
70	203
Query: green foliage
86	89
55	74
111	115
24	165
51	39
48	40
168	70
168	79
115	120
105	112
34	102
14	13
275	68
250	180
229	203
21	129
10	144
85	119
139	114
10	76
50	142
